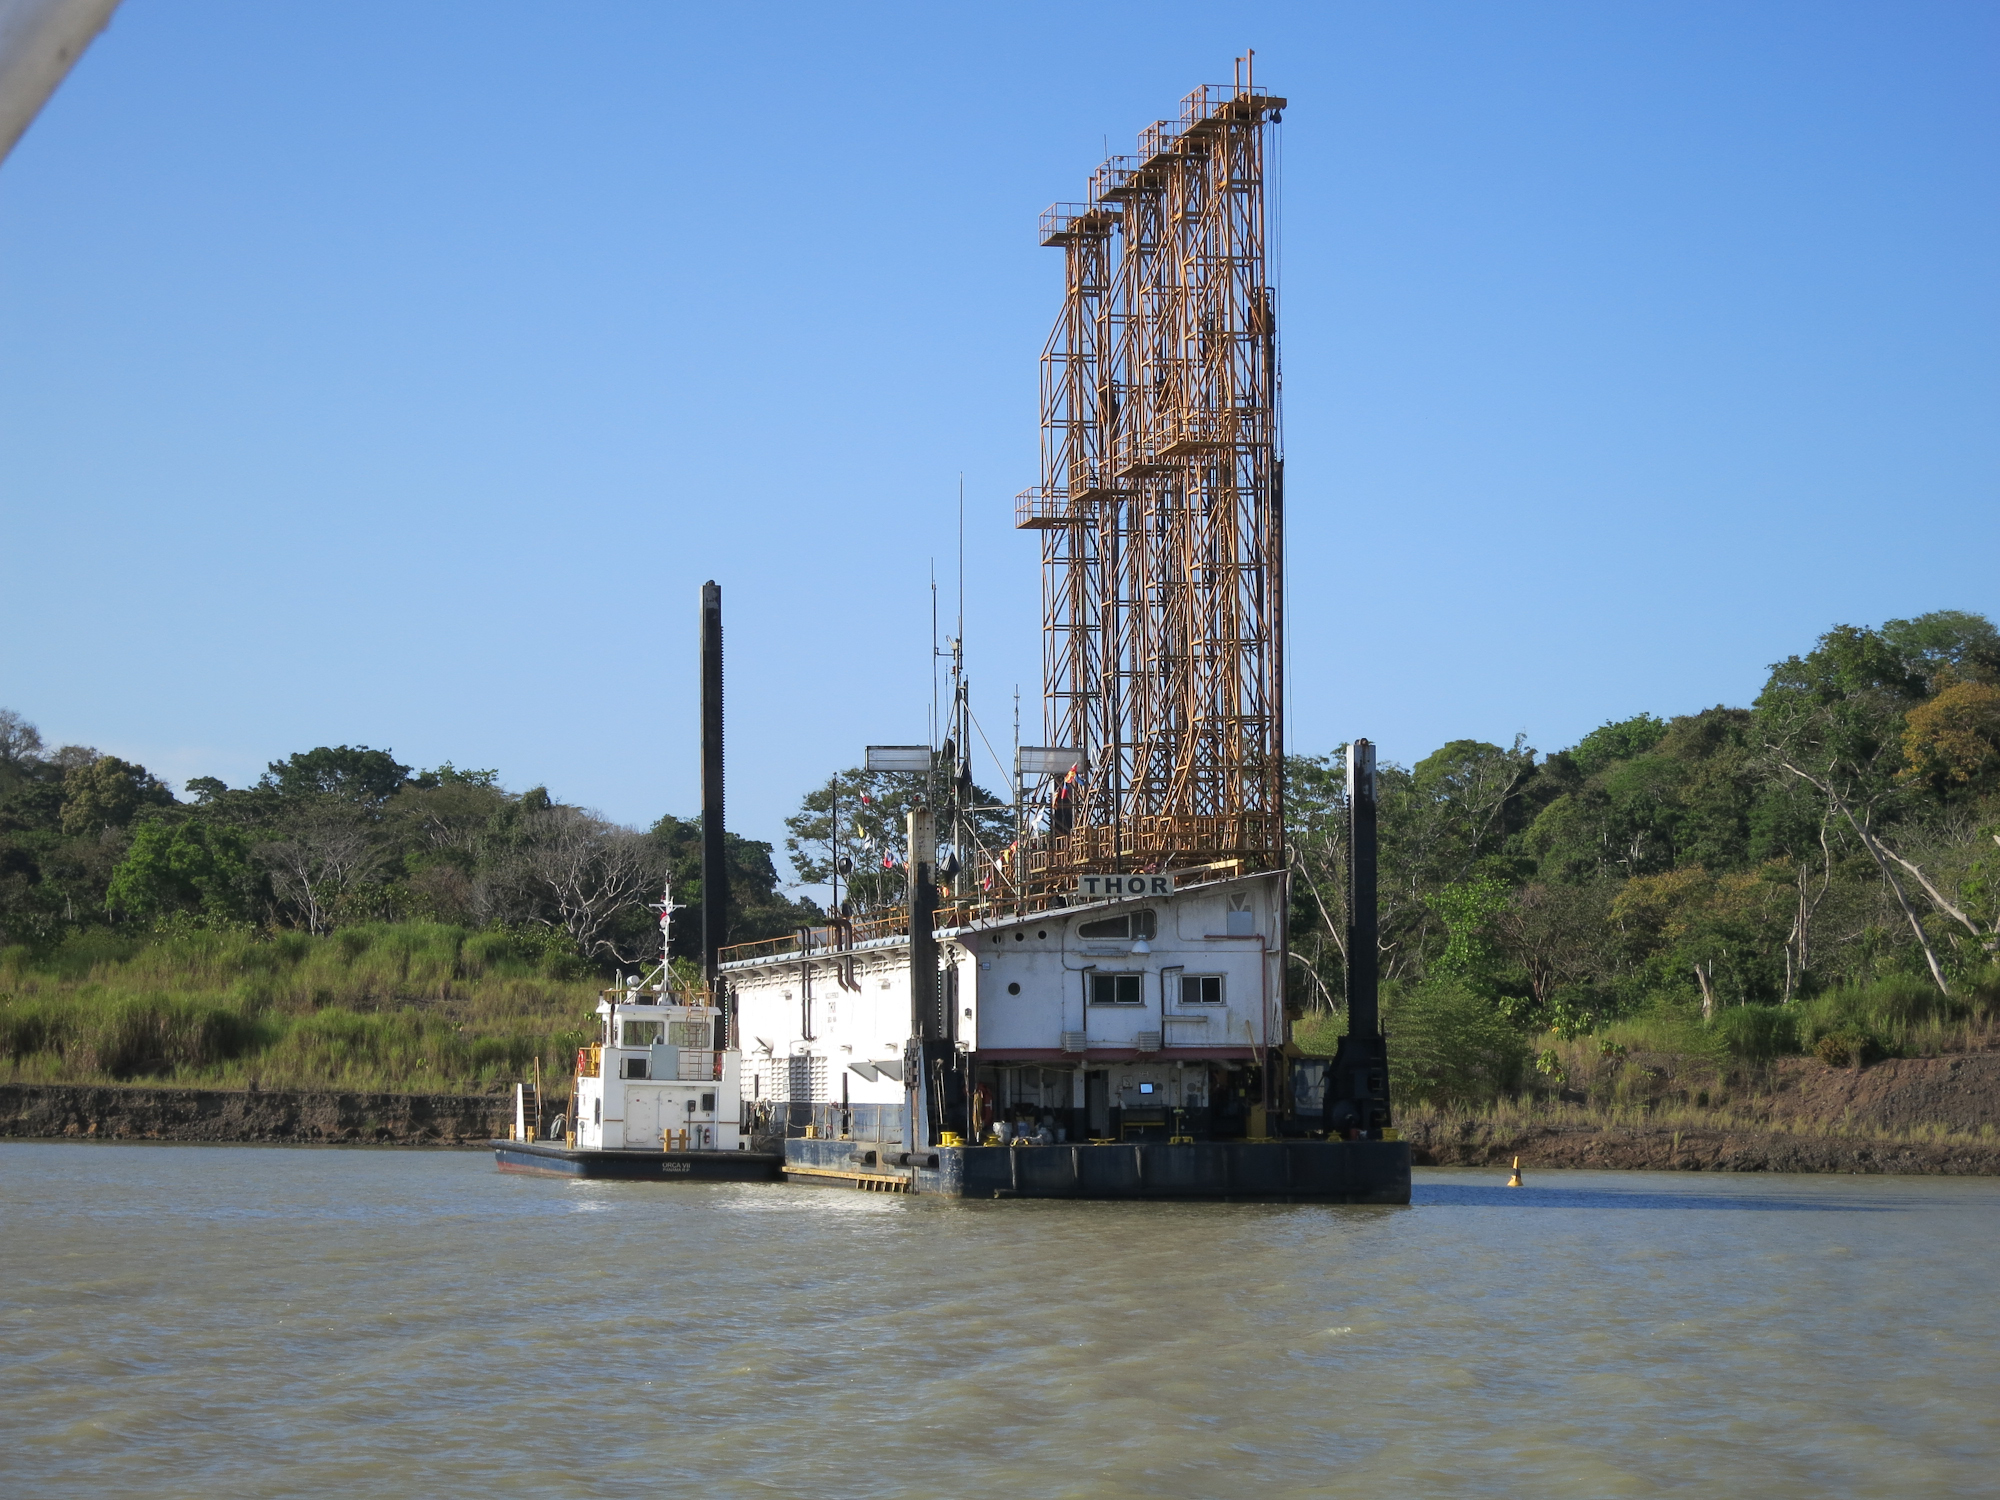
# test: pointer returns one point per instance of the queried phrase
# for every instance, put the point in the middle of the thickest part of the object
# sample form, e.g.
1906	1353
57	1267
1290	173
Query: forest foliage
1818	871
343	835
346	921
1754	873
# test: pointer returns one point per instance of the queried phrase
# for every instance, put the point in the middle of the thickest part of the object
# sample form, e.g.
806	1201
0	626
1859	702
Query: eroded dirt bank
1911	1114
84	1112
1691	1149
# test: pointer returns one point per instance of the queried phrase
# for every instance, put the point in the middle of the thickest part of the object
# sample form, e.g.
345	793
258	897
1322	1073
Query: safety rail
696	1065
871	1124
835	937
1044	509
1062	221
693	994
1046	864
1116	178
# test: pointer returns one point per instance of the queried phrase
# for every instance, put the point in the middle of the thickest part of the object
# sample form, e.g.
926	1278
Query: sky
395	374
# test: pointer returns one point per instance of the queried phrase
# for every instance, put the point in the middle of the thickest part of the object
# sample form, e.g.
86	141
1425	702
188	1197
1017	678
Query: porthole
1041	934
1014	988
1020	937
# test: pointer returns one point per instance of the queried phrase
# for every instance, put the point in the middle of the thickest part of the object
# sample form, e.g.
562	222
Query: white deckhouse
1122	1017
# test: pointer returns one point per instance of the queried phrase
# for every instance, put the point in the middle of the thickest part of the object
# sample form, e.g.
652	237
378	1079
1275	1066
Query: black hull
552	1159
1223	1171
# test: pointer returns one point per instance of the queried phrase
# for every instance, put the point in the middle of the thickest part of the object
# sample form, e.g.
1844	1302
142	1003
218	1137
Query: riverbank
1680	1140
1908	1114
1694	1147
1925	1115
274	1117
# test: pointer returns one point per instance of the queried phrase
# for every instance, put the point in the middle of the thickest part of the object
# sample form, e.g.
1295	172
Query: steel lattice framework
1161	501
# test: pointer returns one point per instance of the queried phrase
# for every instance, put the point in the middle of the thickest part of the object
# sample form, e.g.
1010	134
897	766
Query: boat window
643	1033
634	1067
1201	989
1131	924
695	1034
1114	989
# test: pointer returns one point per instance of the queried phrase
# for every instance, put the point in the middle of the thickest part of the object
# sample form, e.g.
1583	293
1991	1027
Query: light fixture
1142	947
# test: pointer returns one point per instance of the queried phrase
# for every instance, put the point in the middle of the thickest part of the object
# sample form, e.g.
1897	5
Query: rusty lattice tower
1161	501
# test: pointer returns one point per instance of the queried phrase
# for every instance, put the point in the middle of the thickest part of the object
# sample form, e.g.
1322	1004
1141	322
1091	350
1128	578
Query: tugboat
654	1098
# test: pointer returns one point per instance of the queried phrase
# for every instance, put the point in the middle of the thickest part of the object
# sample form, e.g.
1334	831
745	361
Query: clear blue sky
395	373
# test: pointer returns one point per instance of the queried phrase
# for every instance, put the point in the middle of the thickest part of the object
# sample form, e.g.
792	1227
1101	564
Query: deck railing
998	898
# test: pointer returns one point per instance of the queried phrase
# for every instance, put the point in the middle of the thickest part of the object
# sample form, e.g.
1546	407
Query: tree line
1842	829
344	835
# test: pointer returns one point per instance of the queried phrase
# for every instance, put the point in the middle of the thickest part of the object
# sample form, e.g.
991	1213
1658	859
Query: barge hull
1222	1171
553	1159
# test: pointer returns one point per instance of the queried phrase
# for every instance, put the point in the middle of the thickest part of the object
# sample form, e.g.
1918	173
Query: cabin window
1201	989
1130	924
634	1067
708	1102
693	1034
1115	989
643	1034
597	1111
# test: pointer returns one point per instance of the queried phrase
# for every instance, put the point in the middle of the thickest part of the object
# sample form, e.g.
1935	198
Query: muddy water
181	1321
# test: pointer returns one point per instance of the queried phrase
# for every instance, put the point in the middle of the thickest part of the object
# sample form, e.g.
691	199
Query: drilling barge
1098	1010
1125	1047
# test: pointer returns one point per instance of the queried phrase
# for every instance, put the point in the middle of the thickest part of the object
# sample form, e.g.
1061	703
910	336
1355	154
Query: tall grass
391	1006
1449	1045
1450	1049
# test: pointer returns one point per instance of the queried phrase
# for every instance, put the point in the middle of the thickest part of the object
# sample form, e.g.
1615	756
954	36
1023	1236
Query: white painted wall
1049	961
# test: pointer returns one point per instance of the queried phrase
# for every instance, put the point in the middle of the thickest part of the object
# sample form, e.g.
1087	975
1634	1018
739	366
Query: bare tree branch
1880	856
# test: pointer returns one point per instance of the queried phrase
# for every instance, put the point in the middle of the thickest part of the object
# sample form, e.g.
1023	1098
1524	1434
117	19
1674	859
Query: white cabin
1137	1018
656	1079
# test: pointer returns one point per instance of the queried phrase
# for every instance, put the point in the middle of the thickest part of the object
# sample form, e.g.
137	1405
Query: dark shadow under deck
1258	1171
553	1158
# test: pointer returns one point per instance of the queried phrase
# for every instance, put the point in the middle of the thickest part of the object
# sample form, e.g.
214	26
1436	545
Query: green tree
109	793
1965	644
353	772
189	864
1467	909
756	908
854	826
1615	740
1836	720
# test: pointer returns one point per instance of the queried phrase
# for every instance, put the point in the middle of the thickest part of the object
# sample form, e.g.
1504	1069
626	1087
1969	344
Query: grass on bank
406	1007
1451	1049
1508	1117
